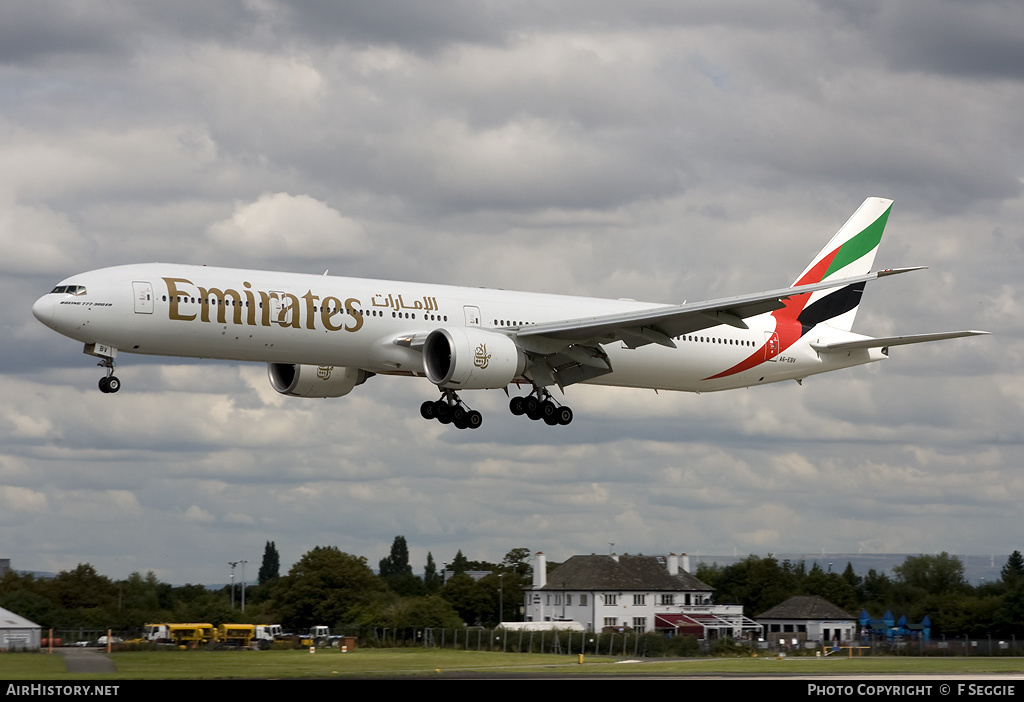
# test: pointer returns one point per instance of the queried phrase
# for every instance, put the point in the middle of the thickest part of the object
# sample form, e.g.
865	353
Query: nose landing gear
110	382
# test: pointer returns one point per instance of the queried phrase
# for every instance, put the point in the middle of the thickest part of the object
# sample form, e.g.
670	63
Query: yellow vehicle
190	634
240	635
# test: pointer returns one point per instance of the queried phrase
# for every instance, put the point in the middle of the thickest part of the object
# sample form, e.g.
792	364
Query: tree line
327	586
932	585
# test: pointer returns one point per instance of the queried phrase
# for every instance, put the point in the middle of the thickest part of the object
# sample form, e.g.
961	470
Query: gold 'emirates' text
275	308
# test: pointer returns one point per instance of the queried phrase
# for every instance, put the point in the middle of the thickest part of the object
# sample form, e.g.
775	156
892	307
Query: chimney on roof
685	563
672	563
540	570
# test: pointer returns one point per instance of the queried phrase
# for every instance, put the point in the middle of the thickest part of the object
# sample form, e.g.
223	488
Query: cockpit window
69	289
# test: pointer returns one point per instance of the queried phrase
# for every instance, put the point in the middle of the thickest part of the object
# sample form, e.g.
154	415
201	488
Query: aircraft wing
885	341
658	325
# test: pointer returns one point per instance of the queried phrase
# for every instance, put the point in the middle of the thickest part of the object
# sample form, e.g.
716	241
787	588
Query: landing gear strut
450	409
109	382
540	405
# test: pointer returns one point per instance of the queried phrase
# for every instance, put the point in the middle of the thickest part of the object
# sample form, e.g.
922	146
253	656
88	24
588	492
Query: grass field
182	665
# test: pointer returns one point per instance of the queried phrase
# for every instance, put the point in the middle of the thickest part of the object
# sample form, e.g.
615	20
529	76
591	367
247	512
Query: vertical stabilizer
851	252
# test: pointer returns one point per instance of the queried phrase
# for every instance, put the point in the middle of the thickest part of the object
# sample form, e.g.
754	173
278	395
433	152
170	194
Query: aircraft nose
43	309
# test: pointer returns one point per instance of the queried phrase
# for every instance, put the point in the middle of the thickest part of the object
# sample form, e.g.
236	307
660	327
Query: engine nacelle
314	381
467	358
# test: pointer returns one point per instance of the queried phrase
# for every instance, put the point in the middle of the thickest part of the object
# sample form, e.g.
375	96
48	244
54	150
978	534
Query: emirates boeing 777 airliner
323	335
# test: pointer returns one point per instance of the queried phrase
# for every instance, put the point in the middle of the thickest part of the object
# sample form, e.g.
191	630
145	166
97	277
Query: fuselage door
280	312
472	316
771	345
143	297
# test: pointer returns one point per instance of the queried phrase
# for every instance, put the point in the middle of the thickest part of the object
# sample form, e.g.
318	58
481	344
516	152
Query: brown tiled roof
628	573
805	607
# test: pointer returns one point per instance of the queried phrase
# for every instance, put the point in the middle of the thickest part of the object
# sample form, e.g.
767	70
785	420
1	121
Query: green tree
853	580
832	586
474	602
84	588
517	561
1013	571
1010	614
398	562
270	568
29	597
394	612
431	578
396	571
460	564
756	583
709	573
932	574
323	586
194	603
876	591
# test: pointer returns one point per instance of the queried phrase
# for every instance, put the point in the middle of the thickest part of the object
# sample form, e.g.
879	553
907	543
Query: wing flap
668	321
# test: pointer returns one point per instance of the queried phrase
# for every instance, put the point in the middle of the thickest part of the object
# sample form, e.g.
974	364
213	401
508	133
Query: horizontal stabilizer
892	341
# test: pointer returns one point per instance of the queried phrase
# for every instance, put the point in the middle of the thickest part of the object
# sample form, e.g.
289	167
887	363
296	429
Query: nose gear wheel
110	382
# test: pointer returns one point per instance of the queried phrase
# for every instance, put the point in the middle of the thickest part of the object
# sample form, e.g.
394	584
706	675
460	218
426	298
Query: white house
634	593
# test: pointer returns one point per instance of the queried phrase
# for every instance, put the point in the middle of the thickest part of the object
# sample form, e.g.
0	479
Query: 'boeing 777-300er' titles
323	335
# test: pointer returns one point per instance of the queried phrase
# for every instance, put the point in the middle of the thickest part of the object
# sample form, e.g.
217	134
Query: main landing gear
109	382
450	409
540	405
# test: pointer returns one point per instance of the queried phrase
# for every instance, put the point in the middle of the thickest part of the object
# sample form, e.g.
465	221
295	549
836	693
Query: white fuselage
271	317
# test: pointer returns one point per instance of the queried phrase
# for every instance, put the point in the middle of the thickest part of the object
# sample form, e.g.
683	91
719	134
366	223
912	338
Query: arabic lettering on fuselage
427	304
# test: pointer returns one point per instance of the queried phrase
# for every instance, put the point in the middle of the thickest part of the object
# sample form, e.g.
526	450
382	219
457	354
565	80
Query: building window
640	624
583	600
610	621
668	599
568	600
611	600
639	600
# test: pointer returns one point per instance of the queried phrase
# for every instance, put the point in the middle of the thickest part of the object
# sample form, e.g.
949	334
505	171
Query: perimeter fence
625	644
651	644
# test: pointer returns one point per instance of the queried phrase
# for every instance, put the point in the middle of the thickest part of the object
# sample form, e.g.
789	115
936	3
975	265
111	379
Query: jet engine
314	381
467	358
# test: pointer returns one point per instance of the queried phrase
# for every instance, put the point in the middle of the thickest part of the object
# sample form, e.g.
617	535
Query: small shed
18	633
808	618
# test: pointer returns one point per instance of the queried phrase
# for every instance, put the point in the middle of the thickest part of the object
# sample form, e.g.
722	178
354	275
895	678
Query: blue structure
889	629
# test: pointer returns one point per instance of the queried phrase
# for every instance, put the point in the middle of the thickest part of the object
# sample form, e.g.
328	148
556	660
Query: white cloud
37	239
197	514
19	502
282	226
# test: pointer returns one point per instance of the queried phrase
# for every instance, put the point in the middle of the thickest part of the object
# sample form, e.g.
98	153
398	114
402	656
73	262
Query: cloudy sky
660	151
